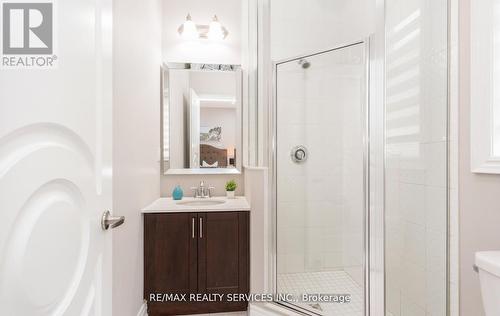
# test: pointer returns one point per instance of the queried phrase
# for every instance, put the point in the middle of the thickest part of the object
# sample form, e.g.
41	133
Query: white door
194	129
55	172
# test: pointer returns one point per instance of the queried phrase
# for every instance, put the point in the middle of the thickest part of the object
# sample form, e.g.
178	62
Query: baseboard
143	311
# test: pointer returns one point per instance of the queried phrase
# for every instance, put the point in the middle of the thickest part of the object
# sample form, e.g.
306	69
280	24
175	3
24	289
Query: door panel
170	261
223	252
211	258
170	253
55	173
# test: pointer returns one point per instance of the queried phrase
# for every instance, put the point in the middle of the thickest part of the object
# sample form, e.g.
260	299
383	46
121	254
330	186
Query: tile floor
325	282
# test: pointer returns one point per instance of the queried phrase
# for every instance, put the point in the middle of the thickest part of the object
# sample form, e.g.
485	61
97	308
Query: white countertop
168	205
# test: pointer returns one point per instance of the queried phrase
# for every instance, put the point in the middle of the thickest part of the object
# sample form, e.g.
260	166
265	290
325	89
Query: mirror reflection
202	108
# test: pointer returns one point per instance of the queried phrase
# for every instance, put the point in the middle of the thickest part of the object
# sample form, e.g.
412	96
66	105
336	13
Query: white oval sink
201	202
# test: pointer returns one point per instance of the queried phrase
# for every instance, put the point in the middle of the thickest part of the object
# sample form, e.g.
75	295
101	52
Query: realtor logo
28	34
27	28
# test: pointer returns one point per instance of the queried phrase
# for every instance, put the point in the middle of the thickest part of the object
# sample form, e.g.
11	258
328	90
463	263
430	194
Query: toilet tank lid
489	261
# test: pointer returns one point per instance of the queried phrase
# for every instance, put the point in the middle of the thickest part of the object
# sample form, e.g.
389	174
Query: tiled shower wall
309	217
320	213
322	217
416	133
416	157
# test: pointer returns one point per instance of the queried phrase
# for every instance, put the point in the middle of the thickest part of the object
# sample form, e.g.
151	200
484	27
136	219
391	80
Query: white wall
257	194
300	27
175	49
169	182
136	139
479	202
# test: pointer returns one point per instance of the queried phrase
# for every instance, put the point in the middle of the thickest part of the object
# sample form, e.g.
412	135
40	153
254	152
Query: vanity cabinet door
223	254
170	253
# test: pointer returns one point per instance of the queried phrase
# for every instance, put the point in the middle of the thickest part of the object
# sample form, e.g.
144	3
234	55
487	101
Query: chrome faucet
202	191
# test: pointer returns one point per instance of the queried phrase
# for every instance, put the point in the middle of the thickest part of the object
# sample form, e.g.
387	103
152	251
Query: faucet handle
195	191
209	190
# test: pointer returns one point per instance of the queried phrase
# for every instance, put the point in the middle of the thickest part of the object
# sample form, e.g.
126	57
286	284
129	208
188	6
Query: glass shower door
320	181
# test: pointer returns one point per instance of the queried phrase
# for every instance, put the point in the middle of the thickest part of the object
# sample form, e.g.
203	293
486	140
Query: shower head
304	63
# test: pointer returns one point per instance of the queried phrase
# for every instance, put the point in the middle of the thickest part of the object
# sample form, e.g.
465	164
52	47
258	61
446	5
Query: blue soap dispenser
177	194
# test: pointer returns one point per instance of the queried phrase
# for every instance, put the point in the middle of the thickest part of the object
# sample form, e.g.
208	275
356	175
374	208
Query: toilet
488	267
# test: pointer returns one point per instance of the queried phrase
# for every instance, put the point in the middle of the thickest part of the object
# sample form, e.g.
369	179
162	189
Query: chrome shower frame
365	111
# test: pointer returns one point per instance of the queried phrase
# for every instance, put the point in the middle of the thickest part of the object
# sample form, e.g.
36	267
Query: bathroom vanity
196	246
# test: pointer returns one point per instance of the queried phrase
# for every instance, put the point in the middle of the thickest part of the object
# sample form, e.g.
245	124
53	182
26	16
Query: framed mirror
201	122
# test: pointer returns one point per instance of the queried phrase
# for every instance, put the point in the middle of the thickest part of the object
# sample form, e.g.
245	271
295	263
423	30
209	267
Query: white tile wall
416	94
453	162
320	203
416	118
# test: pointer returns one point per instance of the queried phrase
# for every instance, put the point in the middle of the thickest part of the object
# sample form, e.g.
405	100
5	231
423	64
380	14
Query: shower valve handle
299	154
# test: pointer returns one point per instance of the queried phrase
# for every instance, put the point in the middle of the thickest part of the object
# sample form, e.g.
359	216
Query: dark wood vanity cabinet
196	253
170	254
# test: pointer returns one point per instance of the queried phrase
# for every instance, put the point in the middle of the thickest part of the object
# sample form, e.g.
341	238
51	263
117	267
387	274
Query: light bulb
188	29
215	30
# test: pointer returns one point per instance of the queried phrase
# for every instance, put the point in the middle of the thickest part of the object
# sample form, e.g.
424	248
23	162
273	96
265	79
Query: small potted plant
230	188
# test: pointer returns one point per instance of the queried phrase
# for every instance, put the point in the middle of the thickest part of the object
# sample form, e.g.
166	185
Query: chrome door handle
108	221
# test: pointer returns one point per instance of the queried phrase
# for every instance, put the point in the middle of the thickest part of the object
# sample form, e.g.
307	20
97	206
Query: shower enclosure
320	179
360	141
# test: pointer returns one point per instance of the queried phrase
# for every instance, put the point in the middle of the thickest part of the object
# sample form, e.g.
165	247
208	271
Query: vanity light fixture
213	31
188	29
